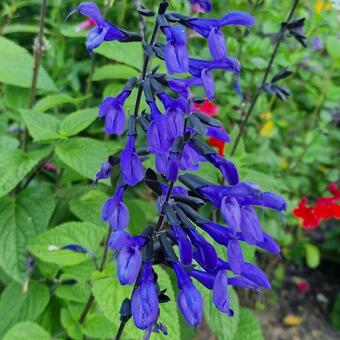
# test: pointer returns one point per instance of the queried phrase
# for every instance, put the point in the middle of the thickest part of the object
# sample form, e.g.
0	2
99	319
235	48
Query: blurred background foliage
47	197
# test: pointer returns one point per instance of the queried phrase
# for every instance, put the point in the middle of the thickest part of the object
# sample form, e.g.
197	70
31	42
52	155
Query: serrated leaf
89	206
84	155
129	54
16	67
41	126
249	327
17	306
78	121
47	245
49	102
15	165
26	331
115	71
21	219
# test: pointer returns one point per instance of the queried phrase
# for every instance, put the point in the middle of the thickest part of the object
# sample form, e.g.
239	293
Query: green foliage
249	327
336	313
26	330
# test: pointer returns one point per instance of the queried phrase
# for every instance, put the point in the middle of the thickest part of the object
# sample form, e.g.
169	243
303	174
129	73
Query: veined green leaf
26	330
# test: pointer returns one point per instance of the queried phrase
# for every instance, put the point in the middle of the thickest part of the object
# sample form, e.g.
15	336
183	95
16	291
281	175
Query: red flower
207	107
324	209
303	286
211	109
85	25
309	220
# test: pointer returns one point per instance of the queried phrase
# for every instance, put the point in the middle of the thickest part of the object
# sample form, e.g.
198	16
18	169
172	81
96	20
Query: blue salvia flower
184	245
104	172
103	31
115	211
211	29
144	302
112	110
189	299
176	54
129	257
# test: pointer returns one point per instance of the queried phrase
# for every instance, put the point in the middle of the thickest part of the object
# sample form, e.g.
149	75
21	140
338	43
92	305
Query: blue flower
131	165
115	211
112	109
220	293
182	86
189	299
103	31
184	245
211	29
144	302
176	54
104	172
129	258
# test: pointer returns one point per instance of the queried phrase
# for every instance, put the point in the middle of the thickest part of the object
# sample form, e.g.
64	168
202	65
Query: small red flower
324	209
48	166
207	107
303	286
306	213
85	25
218	144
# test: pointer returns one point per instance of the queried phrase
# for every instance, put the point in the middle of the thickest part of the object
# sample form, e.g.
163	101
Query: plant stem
101	268
265	77
38	52
144	70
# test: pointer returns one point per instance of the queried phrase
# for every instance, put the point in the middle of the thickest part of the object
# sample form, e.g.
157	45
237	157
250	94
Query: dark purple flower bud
235	256
205	251
144	302
104	172
227	168
231	213
77	248
112	109
219	233
170	103
115	211
220	293
131	164
103	29
189	299
250	225
176	54
184	245
219	133
256	275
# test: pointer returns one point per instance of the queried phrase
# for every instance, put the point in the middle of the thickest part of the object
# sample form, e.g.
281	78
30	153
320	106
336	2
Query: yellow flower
322	5
267	128
266	115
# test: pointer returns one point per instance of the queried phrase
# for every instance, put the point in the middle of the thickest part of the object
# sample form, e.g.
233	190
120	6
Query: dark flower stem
101	268
265	77
38	52
144	70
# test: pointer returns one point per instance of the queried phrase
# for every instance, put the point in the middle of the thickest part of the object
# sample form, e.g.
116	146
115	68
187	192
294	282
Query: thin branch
90	300
265	77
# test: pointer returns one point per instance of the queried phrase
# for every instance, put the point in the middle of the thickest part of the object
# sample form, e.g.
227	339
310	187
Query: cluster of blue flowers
175	136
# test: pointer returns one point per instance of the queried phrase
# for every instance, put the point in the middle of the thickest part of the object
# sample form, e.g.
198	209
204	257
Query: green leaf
78	121
15	165
84	155
249	327
97	326
312	255
70	324
8	143
16	67
137	215
129	54
26	331
49	102
41	126
47	245
114	71
88	208
333	47
223	326
78	292
17	306
21	219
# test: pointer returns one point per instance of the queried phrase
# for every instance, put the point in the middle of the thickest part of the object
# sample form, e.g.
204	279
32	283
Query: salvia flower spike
175	128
